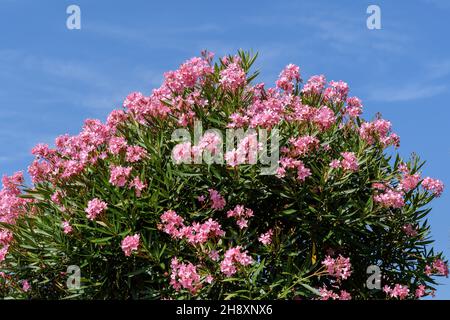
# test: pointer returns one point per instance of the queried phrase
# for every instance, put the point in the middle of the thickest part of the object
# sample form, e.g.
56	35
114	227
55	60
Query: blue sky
52	78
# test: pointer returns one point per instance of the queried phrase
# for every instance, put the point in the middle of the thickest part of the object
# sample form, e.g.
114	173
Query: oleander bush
145	214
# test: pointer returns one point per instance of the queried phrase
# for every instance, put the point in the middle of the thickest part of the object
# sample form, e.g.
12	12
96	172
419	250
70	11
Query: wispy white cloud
406	93
431	82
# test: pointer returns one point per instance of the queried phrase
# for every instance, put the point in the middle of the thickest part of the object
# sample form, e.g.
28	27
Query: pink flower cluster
324	118
185	152
71	155
11	204
232	259
6	237
379	130
399	291
301	146
198	233
420	291
409	182
232	77
138	186
290	73
184	275
217	201
130	244
326	294
290	163
438	267
246	152
266	238
314	85
241	214
390	198
67	228
95	208
410	230
349	162
340	267
26	286
117	145
135	154
354	107
119	175
433	185
336	92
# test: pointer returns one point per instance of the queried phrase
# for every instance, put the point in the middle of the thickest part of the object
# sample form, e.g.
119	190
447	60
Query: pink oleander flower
349	161
238	121
182	153
117	144
409	182
232	77
326	294
354	107
344	295
379	130
336	92
211	142
241	214
339	267
197	233
242	223
185	276
214	255
410	230
232	258
130	244
14	181
6	237
67	228
115	118
438	267
171	223
403	168
26	286
303	145
119	175
138	186
95	208
433	185
399	291
233	158
290	163
246	152
218	202
314	85
335	164
420	291
3	252
200	233
209	279
135	153
266	238
290	73
324	118
390	198
57	197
